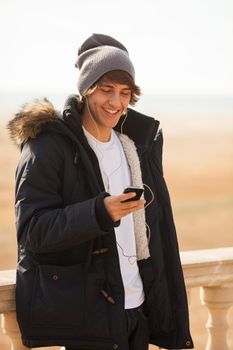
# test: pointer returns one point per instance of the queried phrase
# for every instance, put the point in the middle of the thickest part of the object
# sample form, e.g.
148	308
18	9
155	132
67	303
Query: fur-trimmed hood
31	119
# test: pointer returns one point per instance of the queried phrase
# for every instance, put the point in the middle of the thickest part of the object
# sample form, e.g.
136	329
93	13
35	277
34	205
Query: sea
155	105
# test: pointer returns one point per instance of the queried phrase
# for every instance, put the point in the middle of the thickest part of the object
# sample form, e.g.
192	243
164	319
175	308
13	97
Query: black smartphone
138	190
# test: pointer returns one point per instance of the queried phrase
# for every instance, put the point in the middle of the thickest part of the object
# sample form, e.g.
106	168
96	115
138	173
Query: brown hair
116	76
122	77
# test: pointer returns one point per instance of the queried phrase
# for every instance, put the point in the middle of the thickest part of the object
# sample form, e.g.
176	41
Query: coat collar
140	128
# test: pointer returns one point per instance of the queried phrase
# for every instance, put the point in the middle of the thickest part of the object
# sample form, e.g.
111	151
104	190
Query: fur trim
138	216
31	118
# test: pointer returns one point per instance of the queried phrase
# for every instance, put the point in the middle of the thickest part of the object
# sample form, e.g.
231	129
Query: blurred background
183	53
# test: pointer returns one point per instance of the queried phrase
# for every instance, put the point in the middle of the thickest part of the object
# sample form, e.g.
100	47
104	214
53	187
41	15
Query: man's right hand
116	207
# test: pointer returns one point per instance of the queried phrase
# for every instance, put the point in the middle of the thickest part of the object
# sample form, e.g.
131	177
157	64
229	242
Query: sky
177	46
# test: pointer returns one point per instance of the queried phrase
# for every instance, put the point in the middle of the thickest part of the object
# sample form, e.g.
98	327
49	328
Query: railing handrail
208	256
207	267
7	290
210	269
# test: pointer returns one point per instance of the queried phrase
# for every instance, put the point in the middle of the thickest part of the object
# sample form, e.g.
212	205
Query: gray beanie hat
98	55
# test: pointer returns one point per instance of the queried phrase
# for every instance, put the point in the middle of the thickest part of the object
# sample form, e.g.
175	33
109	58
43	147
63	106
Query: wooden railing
211	270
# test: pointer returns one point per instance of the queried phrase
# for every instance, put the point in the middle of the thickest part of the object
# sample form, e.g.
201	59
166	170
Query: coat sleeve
43	223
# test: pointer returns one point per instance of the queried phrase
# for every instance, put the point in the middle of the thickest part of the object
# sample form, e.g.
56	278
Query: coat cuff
104	219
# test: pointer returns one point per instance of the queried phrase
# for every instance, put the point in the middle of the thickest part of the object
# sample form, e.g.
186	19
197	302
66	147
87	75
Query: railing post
218	300
188	293
10	327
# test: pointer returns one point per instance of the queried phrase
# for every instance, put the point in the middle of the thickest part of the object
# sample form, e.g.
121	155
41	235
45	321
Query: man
97	269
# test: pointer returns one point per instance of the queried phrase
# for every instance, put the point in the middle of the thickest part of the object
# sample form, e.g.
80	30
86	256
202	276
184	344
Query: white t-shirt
116	177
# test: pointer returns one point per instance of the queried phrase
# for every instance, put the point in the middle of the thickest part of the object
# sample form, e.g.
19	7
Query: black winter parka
69	289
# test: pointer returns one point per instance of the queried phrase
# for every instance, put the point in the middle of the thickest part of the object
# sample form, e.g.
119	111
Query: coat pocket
96	307
58	296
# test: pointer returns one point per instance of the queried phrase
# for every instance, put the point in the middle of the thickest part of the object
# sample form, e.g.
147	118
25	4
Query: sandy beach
198	167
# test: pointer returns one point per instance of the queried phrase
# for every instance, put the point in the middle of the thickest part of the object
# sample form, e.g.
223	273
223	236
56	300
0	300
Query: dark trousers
137	329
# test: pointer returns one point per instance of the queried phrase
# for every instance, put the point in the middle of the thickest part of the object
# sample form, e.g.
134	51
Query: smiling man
106	104
98	267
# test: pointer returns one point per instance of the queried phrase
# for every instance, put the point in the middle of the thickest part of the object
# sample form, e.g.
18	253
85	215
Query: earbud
125	113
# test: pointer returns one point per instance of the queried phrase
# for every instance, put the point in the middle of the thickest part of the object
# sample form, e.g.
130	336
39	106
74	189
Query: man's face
106	104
